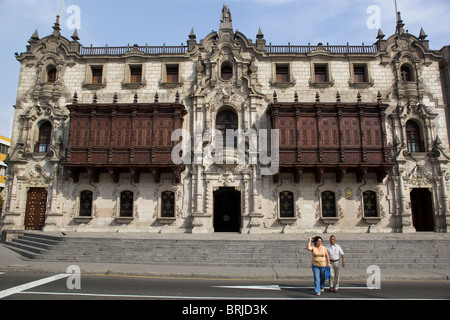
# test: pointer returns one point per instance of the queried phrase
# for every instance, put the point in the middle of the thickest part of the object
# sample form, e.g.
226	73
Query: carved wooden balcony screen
117	138
331	137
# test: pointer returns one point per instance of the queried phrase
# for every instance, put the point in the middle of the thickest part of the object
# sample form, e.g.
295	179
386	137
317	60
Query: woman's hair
316	239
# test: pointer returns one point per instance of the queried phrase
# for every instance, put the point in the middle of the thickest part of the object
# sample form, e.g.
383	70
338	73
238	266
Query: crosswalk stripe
23	287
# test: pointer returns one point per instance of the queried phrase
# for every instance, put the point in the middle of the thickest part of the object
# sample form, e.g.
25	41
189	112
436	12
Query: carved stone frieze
36	176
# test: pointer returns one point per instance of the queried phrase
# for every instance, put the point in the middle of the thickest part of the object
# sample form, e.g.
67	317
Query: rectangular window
282	73
45	135
287	209
126	204
86	203
97	75
359	73
135	74
321	74
370	204
4	149
328	204
172	73
51	75
168	204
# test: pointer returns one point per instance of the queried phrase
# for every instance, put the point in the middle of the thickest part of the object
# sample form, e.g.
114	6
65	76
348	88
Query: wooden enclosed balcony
331	137
123	138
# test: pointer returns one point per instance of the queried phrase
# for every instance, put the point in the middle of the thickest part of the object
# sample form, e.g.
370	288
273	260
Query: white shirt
334	251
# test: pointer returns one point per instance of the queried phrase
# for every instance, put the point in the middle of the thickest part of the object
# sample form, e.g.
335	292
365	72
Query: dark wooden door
227	210
422	210
36	208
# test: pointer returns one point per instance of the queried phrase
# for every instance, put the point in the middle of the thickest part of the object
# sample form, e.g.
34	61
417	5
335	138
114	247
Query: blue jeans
319	278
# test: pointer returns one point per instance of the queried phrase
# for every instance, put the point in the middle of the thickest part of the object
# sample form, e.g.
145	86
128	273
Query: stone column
446	211
255	217
198	193
202	222
407	224
254	191
11	217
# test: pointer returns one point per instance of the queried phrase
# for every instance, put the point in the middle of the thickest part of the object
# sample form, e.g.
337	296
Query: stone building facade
320	138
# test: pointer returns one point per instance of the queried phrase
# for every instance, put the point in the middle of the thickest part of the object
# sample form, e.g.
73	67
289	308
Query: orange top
319	256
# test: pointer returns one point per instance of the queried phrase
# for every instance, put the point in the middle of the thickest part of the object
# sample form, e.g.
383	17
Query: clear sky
155	22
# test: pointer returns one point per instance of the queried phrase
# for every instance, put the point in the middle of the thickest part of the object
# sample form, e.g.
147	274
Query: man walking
336	254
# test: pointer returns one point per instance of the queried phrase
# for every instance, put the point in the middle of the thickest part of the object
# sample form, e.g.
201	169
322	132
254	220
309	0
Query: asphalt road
197	297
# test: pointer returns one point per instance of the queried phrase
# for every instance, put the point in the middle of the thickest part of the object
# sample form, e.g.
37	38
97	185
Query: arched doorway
422	209
227	210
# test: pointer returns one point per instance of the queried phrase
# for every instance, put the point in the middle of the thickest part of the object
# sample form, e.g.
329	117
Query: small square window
51	75
282	73
227	71
321	74
359	73
97	75
172	73
135	74
405	73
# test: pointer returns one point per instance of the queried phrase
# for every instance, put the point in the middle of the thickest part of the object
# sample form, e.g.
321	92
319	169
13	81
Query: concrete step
421	254
25	247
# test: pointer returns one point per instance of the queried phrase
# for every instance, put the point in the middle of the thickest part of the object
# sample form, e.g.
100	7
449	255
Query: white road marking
103	295
340	288
18	289
274	287
278	288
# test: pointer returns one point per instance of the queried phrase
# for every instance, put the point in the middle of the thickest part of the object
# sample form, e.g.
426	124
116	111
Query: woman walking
320	260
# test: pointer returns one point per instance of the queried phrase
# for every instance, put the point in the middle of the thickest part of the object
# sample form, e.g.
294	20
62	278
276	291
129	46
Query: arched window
226	120
45	135
168	204
51	74
406	73
227	71
287	209
86	203
413	137
328	204
126	204
370	204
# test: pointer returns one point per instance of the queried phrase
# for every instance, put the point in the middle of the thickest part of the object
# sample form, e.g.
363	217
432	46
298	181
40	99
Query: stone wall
248	94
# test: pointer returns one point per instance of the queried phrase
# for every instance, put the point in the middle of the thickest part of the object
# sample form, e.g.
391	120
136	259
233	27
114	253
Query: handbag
327	273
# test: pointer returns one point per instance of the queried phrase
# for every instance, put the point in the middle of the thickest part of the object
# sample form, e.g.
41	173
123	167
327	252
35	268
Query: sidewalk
13	262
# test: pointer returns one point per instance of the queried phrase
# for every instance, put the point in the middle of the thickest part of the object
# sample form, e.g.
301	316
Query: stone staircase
404	254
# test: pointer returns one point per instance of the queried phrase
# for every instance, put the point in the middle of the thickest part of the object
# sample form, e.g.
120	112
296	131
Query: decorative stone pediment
226	94
52	112
421	175
37	176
